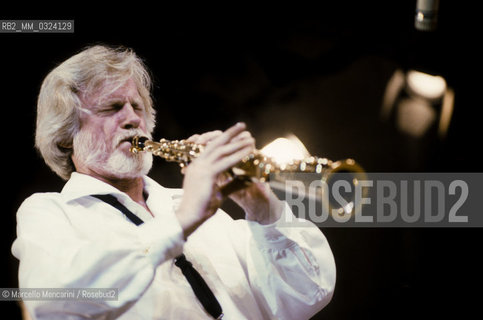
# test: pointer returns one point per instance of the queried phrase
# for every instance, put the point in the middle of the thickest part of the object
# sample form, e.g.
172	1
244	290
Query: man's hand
201	196
205	175
259	203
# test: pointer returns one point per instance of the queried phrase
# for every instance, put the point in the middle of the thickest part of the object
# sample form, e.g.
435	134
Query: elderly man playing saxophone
89	109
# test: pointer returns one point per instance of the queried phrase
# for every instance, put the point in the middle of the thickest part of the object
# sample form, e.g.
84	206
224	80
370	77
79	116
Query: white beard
98	156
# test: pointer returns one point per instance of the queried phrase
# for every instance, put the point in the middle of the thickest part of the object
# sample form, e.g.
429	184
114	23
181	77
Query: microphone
426	17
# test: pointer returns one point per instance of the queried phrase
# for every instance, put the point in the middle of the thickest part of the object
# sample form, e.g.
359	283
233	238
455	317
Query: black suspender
198	284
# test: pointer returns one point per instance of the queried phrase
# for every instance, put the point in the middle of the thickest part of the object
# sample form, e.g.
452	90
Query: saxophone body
256	165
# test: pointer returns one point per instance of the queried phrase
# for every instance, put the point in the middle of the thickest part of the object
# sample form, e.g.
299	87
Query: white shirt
72	240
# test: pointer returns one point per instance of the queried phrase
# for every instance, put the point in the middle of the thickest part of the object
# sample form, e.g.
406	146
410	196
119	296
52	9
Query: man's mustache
128	136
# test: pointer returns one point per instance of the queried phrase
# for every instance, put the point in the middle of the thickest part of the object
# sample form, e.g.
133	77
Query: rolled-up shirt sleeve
290	267
54	254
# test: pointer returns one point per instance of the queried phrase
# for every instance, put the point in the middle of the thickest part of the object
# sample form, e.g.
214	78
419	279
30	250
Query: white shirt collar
82	185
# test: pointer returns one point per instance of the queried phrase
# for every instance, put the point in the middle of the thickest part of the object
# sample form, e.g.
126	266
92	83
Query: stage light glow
417	100
425	85
446	112
394	86
285	150
415	116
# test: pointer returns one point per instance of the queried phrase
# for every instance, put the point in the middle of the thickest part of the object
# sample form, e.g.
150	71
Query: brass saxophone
254	167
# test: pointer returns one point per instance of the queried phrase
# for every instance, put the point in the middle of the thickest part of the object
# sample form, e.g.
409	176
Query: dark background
317	72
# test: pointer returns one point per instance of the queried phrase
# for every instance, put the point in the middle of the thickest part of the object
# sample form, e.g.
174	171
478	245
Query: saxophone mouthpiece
137	144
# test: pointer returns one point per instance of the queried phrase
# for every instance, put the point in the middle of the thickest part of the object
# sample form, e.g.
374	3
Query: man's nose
130	119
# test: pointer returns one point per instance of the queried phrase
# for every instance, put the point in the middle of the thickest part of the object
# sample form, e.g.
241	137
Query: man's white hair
59	102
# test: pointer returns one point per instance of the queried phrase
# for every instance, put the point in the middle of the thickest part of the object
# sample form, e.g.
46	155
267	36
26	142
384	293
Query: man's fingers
226	136
193	138
242	135
234	133
229	148
225	149
208	136
204	138
231	160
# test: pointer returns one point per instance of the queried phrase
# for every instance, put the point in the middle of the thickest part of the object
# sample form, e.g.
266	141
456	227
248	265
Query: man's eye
117	106
111	108
138	107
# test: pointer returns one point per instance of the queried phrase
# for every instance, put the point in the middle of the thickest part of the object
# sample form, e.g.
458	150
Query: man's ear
65	146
